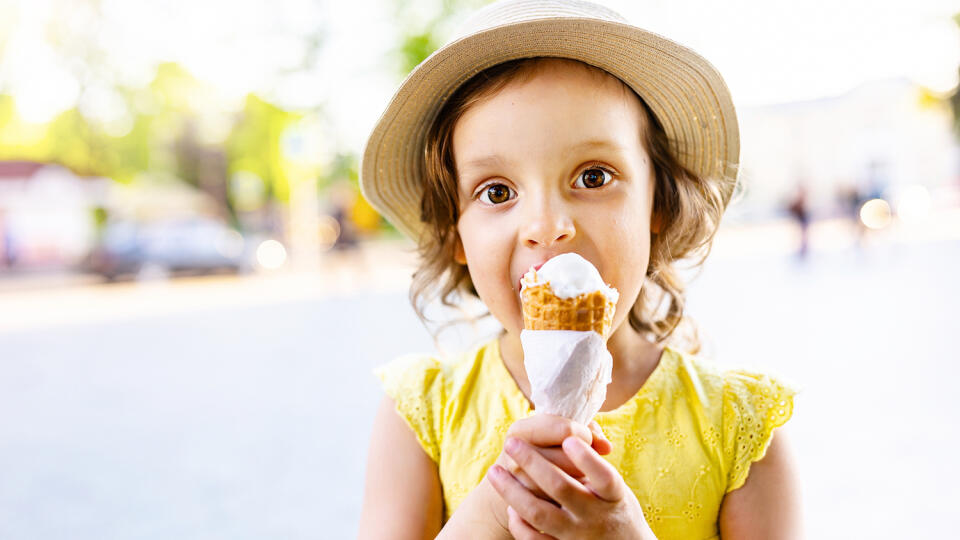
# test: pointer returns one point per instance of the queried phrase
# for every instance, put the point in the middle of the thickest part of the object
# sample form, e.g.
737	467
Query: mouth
535	268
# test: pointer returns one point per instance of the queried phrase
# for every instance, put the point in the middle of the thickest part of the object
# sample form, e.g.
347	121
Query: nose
547	222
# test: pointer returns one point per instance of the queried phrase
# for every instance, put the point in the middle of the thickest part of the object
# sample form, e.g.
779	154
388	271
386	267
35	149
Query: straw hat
685	93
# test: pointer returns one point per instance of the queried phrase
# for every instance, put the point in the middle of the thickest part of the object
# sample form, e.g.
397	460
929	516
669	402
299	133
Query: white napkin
568	372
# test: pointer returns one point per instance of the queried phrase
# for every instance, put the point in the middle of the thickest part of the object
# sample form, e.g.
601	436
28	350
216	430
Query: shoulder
742	407
429	373
737	389
754	405
425	387
756	402
698	373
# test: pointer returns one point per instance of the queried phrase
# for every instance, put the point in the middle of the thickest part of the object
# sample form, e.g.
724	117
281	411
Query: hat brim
683	90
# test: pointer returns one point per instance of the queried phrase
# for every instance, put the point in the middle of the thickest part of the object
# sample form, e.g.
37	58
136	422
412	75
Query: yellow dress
683	441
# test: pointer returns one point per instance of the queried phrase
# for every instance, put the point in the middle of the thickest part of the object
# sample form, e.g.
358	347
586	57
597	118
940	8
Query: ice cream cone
567	318
543	310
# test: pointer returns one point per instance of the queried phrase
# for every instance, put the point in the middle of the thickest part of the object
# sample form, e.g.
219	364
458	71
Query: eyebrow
487	161
596	143
496	160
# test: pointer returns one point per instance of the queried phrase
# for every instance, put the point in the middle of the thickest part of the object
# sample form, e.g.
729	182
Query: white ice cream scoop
569	275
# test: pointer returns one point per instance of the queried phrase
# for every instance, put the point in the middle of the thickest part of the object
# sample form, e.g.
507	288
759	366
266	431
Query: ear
458	253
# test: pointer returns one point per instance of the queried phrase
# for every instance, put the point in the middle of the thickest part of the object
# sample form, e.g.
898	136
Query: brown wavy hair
688	208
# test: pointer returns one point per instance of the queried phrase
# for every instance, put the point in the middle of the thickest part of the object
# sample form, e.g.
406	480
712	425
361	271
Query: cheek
487	256
629	245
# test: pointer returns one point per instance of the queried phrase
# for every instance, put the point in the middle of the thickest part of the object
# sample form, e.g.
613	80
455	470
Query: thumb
600	443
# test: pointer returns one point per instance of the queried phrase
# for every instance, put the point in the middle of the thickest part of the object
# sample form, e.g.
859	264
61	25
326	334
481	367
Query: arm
402	497
481	515
768	503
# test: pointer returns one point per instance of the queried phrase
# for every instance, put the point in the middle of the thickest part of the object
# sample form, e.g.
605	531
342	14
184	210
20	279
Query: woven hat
685	93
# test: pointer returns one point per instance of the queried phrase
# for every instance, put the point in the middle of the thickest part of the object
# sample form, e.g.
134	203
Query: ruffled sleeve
416	384
753	406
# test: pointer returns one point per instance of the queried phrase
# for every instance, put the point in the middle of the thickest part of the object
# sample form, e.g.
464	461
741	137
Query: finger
543	429
559	486
558	457
601	443
509	464
520	529
540	514
553	454
604	481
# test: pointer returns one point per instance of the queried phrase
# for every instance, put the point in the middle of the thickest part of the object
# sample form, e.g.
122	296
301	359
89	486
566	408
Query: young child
549	127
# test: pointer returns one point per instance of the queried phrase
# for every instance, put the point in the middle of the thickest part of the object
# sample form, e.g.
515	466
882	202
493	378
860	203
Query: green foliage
343	167
420	38
161	134
416	48
163	114
254	145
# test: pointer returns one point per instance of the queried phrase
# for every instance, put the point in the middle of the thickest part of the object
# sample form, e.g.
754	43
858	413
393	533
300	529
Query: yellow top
683	441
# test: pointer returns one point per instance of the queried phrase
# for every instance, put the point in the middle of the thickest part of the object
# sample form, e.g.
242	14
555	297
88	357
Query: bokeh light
271	254
875	214
329	231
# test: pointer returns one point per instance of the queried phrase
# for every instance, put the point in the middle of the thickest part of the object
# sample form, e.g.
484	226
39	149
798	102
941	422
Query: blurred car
184	246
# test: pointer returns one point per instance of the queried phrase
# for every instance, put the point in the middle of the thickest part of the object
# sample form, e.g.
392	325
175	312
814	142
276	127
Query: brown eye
593	178
495	194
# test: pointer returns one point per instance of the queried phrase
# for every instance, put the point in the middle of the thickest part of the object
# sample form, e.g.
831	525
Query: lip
535	267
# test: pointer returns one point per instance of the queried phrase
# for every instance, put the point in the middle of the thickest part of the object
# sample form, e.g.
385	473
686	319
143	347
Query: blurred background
189	276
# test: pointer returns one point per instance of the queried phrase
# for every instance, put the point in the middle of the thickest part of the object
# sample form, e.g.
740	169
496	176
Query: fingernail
512	445
495	471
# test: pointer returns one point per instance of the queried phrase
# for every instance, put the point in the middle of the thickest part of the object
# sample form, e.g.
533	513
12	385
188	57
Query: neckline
649	386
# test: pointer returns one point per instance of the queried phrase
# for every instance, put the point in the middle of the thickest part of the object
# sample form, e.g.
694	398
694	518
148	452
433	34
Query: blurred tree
154	119
344	166
254	145
73	141
175	124
421	35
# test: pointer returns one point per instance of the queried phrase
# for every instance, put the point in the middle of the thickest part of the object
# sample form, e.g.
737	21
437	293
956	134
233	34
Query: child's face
553	165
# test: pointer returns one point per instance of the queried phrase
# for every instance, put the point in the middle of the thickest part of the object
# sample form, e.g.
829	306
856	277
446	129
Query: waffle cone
542	310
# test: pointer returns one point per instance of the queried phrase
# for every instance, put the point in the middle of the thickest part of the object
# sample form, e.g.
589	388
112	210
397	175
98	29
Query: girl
547	127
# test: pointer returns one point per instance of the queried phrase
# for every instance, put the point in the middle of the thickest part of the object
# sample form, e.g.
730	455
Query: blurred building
45	214
53	218
879	138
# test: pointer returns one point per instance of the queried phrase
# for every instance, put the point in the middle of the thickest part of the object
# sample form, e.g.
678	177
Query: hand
602	506
545	433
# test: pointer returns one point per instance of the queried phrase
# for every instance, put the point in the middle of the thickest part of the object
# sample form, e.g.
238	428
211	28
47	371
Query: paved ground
241	408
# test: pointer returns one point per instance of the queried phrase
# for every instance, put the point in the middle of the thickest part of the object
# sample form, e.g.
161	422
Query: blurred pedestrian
800	212
347	235
8	253
851	200
341	198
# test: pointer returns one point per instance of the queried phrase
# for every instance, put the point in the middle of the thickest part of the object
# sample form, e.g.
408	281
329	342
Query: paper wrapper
568	372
